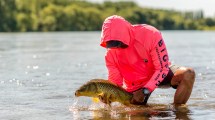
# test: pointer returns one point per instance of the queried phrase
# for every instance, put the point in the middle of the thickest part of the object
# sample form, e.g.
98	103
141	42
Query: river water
39	73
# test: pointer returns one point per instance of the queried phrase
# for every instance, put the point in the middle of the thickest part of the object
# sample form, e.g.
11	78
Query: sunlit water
39	73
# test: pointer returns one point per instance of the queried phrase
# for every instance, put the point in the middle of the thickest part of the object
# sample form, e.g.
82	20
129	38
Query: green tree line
74	15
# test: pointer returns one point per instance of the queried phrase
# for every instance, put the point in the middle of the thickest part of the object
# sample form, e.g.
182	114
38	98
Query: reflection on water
118	111
39	73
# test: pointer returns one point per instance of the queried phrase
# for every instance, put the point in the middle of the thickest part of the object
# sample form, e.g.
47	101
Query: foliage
75	15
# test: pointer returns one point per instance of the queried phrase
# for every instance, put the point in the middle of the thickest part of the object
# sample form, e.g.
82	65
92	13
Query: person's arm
113	71
160	60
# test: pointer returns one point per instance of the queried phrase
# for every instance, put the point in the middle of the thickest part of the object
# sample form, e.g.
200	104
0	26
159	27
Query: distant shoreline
67	15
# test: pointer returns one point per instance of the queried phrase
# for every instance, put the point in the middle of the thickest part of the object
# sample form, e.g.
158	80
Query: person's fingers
132	100
137	98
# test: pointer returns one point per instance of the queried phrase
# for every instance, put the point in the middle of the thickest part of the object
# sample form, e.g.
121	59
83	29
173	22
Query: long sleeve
160	61
113	72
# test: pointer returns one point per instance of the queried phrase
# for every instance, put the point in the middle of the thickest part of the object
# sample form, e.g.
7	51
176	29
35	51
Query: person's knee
189	74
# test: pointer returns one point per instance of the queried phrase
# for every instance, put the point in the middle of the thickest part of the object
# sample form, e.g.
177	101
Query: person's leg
184	79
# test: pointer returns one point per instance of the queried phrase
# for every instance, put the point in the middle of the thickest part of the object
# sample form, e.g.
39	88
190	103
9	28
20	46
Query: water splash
74	110
82	104
118	111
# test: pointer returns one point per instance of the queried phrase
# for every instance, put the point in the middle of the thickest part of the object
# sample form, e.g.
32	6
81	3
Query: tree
7	19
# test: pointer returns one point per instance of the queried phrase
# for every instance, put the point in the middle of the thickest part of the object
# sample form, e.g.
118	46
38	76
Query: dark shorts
165	83
167	80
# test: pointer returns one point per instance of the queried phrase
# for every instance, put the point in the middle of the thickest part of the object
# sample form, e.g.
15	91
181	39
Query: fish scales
111	88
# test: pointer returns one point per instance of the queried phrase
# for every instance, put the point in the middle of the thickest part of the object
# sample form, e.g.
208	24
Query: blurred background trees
73	15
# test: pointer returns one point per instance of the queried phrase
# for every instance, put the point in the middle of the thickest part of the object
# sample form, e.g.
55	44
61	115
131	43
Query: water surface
39	73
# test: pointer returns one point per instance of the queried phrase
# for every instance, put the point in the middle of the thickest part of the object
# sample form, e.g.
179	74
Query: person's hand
138	97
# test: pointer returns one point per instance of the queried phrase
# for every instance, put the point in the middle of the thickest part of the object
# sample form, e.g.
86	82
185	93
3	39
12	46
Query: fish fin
109	105
104	98
95	99
127	103
112	98
108	102
101	94
109	98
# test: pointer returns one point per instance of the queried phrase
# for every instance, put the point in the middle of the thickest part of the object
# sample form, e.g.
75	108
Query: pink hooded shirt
144	63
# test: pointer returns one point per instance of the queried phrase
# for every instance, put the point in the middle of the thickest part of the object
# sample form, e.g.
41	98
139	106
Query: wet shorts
167	79
165	83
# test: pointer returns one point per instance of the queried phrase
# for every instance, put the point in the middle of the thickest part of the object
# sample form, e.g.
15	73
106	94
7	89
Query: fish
106	91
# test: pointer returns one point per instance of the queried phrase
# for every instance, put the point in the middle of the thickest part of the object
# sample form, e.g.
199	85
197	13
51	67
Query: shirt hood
116	28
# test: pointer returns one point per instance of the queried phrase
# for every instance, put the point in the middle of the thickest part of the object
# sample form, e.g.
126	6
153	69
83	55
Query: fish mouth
77	94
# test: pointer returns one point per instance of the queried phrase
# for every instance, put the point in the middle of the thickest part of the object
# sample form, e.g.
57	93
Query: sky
208	6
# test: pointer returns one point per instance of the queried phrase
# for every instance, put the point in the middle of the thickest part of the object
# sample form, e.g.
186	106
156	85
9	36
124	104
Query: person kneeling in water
137	59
